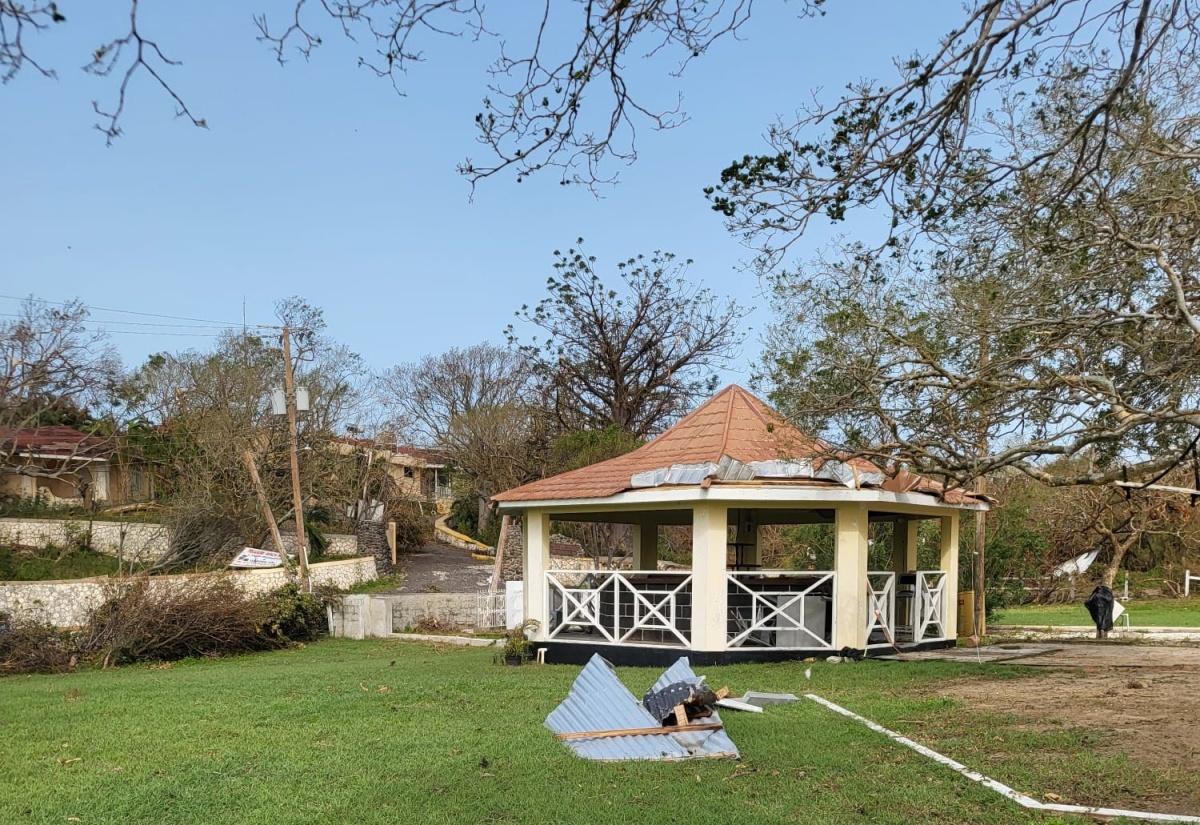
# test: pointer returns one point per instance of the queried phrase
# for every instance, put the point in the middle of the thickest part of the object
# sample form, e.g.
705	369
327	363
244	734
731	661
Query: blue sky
316	179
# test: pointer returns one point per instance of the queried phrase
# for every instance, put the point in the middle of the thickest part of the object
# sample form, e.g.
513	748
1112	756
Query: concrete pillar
378	619
904	545
348	617
949	563
536	550
850	585
710	601
645	546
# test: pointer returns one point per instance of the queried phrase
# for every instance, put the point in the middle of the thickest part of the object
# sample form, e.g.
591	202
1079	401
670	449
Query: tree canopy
632	353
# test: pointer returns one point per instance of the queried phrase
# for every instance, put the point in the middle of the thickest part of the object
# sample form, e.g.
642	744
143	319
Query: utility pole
289	390
978	570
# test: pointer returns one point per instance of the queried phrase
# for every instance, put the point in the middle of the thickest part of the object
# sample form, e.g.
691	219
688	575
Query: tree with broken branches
425	397
55	369
557	98
633	352
196	414
1076	265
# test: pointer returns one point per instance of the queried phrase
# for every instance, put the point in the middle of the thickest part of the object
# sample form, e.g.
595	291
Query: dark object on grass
695	698
1100	606
851	654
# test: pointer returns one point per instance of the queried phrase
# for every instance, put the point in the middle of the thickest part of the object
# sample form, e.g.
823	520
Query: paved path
439	568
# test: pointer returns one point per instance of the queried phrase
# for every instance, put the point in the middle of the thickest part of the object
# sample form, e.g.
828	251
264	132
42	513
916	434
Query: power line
221	324
107	321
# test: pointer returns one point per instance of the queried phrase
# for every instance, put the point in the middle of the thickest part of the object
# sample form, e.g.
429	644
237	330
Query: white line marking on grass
999	787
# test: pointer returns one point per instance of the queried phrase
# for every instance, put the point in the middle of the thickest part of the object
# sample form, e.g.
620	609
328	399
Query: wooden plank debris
606	734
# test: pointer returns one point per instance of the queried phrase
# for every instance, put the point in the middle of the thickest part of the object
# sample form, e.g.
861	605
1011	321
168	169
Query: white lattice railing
626	606
930	605
790	610
881	608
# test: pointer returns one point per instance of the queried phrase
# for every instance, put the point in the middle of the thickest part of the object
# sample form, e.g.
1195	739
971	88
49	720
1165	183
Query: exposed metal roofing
598	701
730	469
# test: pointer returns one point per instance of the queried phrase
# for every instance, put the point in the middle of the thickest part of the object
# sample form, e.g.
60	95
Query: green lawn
392	732
1152	613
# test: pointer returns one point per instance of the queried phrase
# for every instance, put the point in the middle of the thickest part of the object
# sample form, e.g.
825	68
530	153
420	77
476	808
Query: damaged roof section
730	469
733	438
602	720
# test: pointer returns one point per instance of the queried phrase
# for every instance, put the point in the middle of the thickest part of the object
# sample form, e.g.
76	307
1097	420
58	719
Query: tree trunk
1119	550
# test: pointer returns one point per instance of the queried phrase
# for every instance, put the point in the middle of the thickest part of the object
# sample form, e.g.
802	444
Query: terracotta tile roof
61	441
732	423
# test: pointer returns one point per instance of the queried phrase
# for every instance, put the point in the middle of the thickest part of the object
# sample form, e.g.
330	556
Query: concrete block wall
373	617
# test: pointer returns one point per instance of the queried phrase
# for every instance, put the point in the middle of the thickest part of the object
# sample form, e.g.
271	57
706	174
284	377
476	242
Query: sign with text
253	557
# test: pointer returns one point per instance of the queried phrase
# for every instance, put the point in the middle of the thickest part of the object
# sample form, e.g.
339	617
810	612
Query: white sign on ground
253	557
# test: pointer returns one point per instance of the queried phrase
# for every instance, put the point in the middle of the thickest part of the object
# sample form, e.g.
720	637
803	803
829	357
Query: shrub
158	621
294	616
34	647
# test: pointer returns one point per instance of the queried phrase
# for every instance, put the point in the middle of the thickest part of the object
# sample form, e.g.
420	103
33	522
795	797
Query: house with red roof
65	466
726	470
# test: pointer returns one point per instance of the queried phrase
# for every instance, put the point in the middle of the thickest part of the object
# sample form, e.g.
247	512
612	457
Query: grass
386	732
41	564
1149	613
380	584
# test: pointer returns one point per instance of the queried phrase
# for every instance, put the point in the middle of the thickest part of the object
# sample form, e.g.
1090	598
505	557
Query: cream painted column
645	546
949	563
904	545
850	585
710	600
535	533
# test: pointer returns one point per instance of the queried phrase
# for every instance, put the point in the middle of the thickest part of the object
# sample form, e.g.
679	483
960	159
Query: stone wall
67	603
372	541
340	544
143	542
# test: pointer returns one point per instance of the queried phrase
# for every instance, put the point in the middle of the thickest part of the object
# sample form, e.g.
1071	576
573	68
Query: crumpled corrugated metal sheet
847	474
730	469
783	468
598	701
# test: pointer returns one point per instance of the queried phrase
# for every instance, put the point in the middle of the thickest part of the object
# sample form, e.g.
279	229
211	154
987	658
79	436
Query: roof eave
767	495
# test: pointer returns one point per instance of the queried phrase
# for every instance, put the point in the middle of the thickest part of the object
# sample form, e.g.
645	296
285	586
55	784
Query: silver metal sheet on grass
762	700
598	701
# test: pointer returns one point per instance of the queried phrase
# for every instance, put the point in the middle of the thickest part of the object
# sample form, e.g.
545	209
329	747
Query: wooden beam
248	458
608	734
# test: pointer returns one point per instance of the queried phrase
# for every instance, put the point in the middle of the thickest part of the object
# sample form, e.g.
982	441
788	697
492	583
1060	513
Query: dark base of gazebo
578	653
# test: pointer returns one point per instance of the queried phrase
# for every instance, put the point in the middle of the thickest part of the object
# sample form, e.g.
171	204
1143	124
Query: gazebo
728	469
